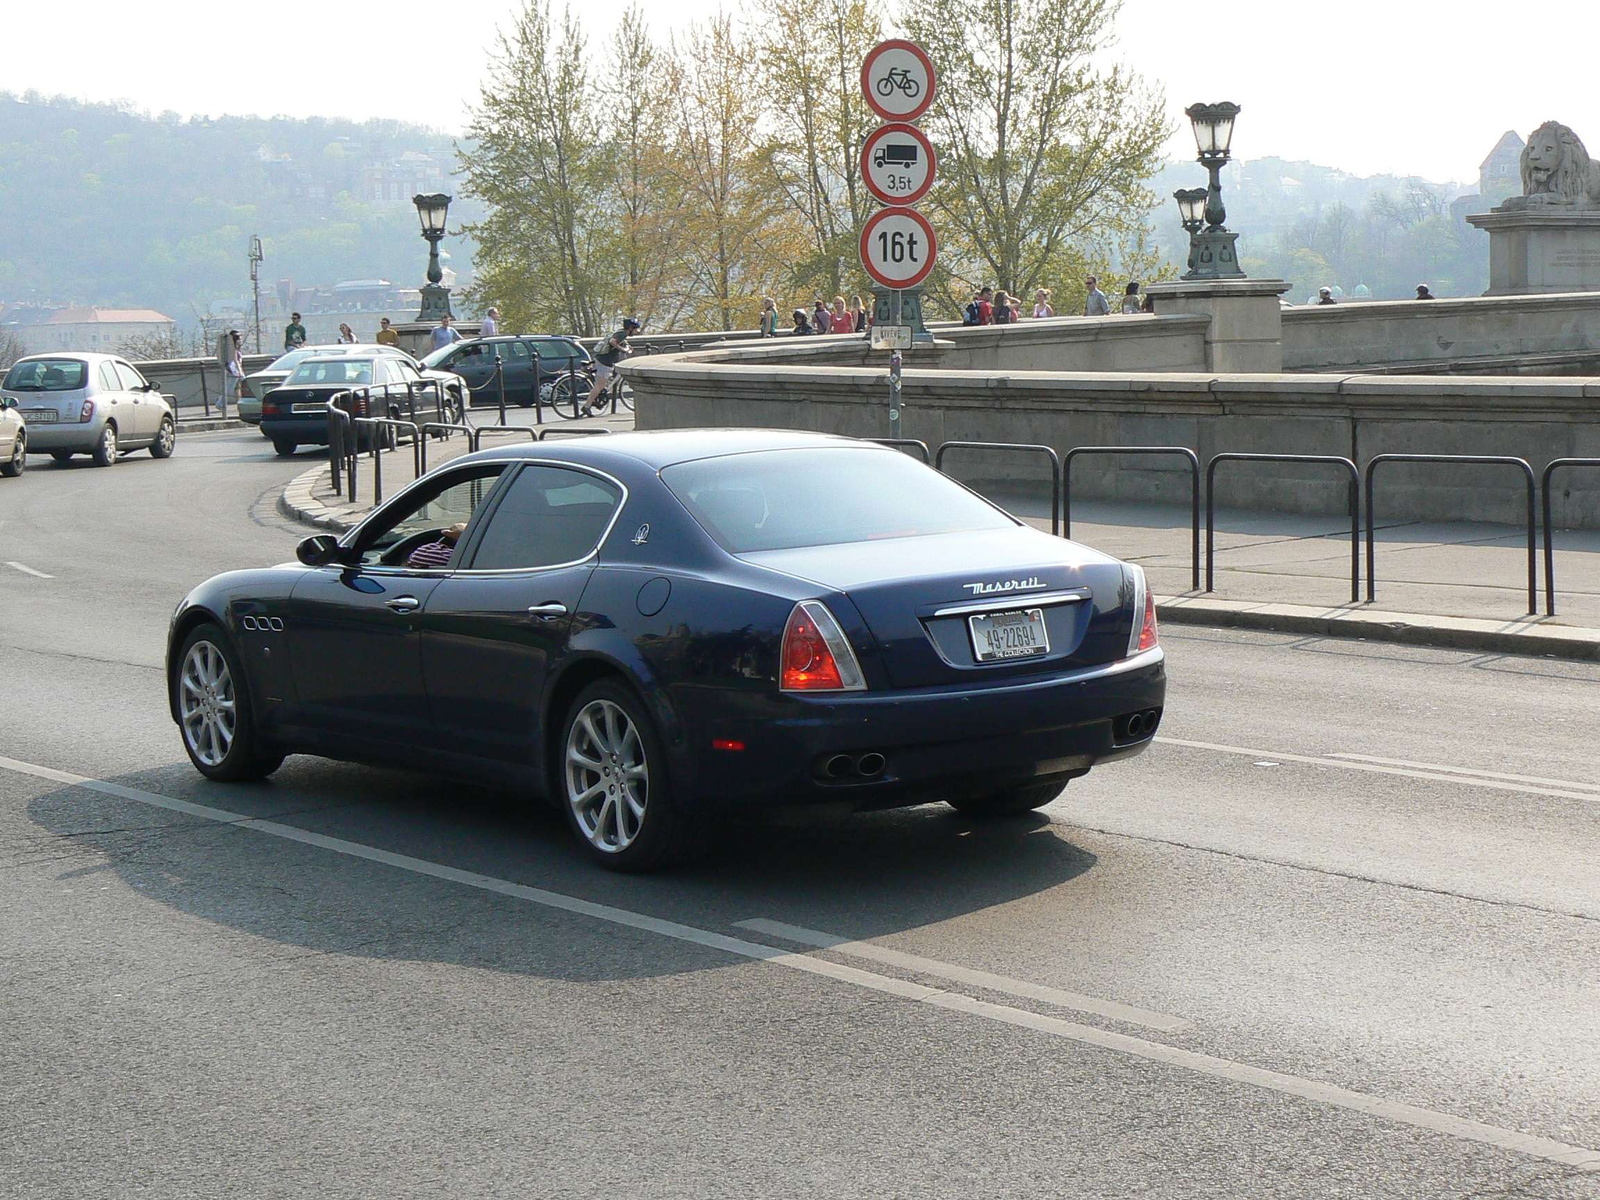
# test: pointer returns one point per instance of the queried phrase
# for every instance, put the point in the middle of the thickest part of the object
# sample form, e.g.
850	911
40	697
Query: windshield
432	360
47	375
779	499
343	372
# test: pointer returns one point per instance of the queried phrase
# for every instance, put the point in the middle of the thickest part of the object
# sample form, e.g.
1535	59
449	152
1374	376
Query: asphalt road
1337	934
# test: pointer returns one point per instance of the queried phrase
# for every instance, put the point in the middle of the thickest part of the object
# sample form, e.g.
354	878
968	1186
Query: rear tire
284	449
215	719
166	441
105	450
610	779
1012	803
62	457
18	462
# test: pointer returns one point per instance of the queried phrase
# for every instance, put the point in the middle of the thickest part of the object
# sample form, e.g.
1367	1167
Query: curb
297	503
1527	635
209	424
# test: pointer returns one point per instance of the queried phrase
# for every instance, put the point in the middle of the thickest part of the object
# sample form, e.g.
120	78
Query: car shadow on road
856	876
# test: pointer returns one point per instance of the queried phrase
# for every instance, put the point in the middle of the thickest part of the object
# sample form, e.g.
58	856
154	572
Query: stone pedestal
910	312
1535	250
1246	332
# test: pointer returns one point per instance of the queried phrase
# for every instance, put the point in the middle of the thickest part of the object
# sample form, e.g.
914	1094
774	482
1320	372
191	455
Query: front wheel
612	781
213	705
1012	803
105	450
18	462
166	441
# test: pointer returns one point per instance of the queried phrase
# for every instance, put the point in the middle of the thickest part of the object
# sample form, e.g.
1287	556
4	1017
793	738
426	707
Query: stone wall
194	382
1355	416
1511	334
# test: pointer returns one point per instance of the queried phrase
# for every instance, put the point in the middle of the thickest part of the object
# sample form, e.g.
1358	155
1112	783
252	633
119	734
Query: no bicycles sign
897	79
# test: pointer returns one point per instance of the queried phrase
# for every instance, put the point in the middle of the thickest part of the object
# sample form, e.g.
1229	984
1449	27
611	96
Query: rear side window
779	499
47	375
108	378
550	515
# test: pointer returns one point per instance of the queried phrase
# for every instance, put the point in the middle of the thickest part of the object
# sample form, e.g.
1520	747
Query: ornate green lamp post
1212	250
1191	214
431	210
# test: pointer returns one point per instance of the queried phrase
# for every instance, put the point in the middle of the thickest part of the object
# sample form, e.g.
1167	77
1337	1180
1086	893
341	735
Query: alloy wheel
207	707
167	438
607	776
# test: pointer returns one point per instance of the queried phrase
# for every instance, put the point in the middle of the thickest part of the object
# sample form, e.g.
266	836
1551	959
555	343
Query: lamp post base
435	303
910	311
1213	254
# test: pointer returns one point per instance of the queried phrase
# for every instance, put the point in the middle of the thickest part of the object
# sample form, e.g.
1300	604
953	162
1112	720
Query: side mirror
7	402
318	550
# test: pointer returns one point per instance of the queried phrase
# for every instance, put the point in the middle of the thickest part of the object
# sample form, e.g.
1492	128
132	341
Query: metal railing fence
1024	447
1183	452
1332	459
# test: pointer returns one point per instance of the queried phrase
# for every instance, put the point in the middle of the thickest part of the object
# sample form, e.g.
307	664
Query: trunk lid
918	597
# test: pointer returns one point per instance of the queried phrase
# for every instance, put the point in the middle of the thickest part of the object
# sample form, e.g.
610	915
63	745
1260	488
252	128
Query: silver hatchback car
95	404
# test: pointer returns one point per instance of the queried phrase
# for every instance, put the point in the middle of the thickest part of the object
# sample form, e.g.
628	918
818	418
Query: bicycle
899	77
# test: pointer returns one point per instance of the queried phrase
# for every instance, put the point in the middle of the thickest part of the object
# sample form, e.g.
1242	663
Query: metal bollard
500	384
572	385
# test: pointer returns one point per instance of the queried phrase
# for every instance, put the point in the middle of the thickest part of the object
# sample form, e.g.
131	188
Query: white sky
1405	86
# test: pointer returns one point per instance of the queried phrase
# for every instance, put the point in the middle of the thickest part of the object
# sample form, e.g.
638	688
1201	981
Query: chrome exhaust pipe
838	766
871	765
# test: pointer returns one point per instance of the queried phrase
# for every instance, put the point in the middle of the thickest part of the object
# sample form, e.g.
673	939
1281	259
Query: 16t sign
898	247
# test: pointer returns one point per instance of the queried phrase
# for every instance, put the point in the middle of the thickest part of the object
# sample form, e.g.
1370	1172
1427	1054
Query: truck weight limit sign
897	79
898	163
898	247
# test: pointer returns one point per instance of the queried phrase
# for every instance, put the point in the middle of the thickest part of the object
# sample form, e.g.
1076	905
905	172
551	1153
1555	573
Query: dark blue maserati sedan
650	629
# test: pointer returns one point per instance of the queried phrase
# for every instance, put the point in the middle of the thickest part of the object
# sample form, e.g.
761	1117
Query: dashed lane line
27	570
1422	766
1441	774
1580	1158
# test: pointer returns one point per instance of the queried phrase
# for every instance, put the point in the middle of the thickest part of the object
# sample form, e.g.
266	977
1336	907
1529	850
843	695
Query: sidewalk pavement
192	422
1462	585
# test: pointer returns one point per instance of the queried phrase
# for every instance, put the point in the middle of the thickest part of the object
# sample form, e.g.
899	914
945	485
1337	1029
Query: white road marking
27	570
974	978
1422	766
1581	1158
1345	764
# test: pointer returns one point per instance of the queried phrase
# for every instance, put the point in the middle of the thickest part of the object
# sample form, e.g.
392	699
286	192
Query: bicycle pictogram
899	77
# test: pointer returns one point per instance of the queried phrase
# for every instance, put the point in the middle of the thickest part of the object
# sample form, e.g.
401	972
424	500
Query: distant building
1500	175
396	182
47	330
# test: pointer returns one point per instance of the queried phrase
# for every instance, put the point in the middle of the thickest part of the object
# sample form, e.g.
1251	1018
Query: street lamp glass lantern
1191	205
431	212
1213	126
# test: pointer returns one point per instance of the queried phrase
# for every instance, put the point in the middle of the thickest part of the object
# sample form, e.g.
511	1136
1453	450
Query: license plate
40	416
308	408
1019	633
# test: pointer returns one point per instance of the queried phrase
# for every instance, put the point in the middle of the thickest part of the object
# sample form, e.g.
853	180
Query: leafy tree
1043	154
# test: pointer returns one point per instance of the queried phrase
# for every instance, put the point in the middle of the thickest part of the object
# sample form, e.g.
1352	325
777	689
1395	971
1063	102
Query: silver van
95	404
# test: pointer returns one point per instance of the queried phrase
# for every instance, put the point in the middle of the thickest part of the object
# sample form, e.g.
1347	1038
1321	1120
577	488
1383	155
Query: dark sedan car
530	365
376	384
650	628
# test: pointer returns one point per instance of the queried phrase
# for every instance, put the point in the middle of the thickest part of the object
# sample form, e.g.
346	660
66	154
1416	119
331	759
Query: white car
95	404
13	440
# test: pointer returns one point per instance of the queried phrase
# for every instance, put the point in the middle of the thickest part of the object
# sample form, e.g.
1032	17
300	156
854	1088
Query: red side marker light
1148	636
726	744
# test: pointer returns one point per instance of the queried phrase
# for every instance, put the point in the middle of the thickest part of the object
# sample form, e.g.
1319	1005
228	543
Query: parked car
95	404
13	439
473	361
257	384
658	630
295	413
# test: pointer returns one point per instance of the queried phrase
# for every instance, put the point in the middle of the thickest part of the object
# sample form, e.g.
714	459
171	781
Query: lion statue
1557	170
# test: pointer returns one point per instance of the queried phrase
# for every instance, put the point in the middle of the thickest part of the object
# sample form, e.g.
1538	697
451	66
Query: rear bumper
80	438
936	743
310	429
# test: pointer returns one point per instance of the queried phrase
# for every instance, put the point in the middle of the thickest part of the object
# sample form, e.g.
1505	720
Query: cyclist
612	351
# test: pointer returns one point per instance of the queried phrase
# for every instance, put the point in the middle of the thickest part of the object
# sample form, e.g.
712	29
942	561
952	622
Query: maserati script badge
1031	583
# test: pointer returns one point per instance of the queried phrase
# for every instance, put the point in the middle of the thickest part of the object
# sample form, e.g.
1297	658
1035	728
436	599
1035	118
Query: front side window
426	523
47	375
550	515
780	499
336	372
132	381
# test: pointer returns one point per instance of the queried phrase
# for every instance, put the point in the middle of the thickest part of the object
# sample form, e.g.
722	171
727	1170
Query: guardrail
377	451
557	431
1475	459
1355	509
341	433
513	430
1183	452
1026	447
905	444
446	428
1549	532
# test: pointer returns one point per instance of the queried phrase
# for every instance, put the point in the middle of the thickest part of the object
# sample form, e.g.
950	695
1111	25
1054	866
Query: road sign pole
894	373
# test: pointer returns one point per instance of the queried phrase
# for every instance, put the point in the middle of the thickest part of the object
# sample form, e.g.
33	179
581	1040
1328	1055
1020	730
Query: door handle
403	604
554	609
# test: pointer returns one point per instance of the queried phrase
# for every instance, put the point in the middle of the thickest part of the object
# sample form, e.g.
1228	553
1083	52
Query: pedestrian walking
1325	296
1095	303
347	336
1423	293
294	333
491	323
445	333
230	357
821	319
802	324
387	336
1041	303
769	317
1000	311
859	312
840	321
1130	299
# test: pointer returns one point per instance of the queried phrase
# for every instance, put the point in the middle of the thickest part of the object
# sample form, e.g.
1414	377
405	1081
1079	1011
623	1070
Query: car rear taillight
269	408
815	656
1143	636
86	413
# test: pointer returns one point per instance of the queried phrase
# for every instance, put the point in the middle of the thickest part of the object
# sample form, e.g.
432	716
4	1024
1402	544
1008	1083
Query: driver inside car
435	556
